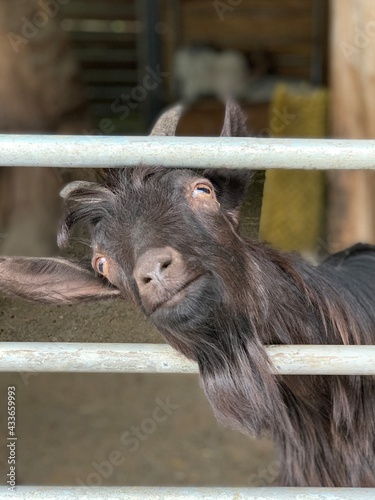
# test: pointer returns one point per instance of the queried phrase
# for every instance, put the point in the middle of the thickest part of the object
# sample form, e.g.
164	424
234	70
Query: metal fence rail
155	358
202	152
152	493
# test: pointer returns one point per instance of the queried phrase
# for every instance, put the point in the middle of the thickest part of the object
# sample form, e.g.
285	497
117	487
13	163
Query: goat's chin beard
233	366
190	313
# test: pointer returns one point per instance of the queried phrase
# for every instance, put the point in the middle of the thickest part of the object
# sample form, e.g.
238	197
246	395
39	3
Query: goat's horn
167	122
91	192
234	121
72	186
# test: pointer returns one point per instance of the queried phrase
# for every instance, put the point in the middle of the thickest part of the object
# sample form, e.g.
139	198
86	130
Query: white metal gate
74	151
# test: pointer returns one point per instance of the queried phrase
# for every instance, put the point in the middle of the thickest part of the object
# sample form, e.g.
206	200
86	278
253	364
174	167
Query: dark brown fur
248	296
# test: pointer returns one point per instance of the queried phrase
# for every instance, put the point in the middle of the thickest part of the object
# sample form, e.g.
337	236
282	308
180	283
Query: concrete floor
99	429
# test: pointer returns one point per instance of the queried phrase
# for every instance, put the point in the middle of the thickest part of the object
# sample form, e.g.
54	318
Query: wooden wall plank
352	194
210	29
283	28
264	4
105	35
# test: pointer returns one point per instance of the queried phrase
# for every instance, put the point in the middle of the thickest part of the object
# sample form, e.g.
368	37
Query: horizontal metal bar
155	493
161	358
202	152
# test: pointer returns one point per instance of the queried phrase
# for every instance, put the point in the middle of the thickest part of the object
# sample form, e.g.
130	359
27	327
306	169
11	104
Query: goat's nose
158	272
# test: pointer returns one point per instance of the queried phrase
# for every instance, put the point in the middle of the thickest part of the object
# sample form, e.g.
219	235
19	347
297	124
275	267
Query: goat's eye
203	190
101	265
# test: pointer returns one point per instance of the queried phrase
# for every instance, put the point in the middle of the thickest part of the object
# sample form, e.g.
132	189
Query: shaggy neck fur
316	421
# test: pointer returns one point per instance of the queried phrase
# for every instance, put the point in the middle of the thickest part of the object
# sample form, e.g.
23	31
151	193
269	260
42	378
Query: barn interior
299	68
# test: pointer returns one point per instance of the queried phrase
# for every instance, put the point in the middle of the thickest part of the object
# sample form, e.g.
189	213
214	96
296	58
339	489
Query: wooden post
352	194
40	91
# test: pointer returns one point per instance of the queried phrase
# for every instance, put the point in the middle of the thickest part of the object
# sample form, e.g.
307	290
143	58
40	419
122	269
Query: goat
169	240
202	71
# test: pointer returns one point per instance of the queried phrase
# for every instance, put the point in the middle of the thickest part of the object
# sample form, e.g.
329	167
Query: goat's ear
231	185
51	281
83	202
167	123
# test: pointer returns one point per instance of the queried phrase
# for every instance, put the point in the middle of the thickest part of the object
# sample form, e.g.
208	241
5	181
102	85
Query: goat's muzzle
162	277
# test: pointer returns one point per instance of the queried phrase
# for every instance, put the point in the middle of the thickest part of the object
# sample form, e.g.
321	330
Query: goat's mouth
177	296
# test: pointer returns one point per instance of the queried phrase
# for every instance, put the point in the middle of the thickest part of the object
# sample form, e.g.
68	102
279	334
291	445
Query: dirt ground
101	429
